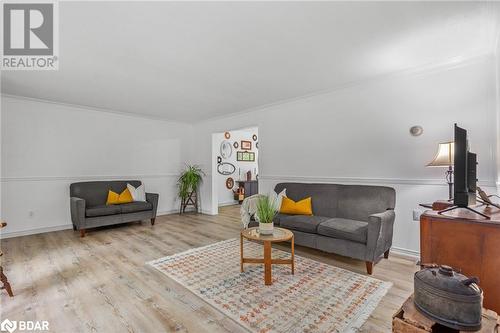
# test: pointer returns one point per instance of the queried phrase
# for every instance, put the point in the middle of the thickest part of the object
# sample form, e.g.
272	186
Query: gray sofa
89	209
351	220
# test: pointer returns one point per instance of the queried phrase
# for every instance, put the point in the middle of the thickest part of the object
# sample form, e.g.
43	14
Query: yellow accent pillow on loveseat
301	207
122	198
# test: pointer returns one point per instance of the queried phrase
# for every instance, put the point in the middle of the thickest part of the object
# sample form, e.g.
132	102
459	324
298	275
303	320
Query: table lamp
444	158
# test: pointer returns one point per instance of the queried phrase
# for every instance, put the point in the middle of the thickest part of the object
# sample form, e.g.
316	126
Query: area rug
318	298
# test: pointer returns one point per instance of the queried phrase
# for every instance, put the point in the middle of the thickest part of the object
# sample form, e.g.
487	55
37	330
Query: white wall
360	134
47	146
225	196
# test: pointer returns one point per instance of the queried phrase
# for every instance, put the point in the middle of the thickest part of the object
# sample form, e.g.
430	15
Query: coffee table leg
241	253
267	264
293	255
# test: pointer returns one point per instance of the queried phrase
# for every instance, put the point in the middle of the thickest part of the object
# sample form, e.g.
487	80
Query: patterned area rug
318	298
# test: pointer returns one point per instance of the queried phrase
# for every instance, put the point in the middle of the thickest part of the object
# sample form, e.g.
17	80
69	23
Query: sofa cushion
102	210
344	229
137	206
302	223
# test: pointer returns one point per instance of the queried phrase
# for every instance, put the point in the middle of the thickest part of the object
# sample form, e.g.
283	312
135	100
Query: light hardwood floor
101	283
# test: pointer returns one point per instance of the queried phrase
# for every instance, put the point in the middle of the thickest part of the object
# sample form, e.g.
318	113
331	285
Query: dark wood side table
247	188
3	278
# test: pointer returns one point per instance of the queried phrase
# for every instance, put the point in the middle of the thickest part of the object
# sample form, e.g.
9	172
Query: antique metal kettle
448	297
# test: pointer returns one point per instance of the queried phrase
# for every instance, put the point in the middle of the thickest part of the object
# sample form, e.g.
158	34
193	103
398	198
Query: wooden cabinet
248	188
466	242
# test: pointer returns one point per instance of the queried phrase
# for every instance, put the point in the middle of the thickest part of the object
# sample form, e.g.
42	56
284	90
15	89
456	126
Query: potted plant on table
188	184
266	211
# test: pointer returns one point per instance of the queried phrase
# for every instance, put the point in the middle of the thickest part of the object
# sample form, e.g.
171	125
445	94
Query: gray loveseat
89	209
351	220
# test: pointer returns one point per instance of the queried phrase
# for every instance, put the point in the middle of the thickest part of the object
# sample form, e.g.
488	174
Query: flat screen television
465	164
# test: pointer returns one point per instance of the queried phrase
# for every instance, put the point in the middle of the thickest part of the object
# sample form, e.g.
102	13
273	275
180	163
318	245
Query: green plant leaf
189	180
266	209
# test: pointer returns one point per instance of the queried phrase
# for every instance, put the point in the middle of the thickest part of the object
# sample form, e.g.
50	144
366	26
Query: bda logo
30	35
8	325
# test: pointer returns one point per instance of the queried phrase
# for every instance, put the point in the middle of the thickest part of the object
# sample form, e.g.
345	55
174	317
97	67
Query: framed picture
246	145
245	156
227	135
229	183
254	137
236	145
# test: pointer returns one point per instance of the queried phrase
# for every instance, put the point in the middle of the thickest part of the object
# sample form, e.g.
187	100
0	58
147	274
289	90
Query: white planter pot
266	228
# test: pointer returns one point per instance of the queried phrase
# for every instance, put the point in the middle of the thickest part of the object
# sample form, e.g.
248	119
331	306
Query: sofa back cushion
358	202
95	193
355	202
324	196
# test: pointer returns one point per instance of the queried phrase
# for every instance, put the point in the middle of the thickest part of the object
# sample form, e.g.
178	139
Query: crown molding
449	64
94	109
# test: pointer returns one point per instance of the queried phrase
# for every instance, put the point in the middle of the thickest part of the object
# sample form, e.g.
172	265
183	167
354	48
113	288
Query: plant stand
190	200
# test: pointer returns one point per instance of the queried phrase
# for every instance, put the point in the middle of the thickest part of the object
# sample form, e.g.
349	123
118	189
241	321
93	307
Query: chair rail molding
84	177
365	180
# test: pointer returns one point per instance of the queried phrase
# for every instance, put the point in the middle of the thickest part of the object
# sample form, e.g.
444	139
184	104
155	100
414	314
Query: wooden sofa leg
82	233
386	254
153	221
369	267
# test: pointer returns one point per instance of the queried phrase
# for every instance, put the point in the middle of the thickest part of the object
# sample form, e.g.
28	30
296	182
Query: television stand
466	207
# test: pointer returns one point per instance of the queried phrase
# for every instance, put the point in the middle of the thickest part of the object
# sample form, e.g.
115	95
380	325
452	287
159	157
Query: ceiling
189	61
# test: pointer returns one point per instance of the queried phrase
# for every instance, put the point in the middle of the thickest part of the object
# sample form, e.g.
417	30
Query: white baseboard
5	235
406	252
20	233
229	203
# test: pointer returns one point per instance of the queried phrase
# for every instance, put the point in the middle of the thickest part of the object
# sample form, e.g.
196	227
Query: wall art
219	160
254	137
227	135
226	150
245	156
246	145
229	183
236	145
226	168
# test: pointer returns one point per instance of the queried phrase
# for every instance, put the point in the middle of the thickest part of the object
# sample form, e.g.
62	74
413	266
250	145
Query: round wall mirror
226	149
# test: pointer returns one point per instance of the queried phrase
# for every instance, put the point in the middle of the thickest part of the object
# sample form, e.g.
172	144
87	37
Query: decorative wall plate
226	168
229	183
226	150
236	145
227	135
254	137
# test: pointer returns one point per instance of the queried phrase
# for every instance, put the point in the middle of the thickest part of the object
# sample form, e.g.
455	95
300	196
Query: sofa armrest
77	206
379	236
152	198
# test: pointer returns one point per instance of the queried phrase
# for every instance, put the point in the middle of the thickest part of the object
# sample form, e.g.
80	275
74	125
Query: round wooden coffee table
279	235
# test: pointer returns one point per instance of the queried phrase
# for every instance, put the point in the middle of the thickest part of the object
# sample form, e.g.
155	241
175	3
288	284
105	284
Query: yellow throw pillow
302	207
115	198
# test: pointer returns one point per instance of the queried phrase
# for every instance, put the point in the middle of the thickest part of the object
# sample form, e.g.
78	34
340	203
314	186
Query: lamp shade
444	156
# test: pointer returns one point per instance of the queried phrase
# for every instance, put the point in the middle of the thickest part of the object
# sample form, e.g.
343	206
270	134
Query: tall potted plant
188	184
266	211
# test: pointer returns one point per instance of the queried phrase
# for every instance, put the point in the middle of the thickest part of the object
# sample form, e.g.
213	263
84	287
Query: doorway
235	166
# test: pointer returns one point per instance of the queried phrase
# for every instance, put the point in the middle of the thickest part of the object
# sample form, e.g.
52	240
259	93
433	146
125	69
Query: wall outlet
416	214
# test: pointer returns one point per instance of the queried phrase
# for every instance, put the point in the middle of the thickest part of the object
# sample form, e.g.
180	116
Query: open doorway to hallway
235	167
